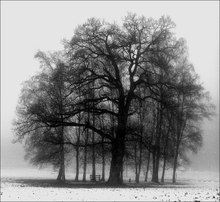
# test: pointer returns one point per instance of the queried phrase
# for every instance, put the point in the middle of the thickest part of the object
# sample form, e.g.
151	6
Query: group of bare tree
121	94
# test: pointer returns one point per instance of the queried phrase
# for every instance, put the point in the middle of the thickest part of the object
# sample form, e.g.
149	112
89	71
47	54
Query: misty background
27	27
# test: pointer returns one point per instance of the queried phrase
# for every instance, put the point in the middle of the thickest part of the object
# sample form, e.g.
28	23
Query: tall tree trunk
175	163
165	151
164	167
154	165
141	119
77	150
139	164
180	127
148	166
93	151
156	159
93	138
103	160
77	157
85	156
61	176
116	163
118	147
118	143
135	162
158	139
122	171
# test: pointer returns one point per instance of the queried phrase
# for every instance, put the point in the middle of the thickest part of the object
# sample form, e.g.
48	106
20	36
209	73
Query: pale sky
27	27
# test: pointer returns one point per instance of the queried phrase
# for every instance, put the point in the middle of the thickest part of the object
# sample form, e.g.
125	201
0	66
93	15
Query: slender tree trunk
77	157
148	166
93	139
93	151
61	176
77	150
141	119
179	128
85	156
164	167
78	143
103	160
154	174
135	162
165	151
175	163
158	152
154	164
122	171
140	164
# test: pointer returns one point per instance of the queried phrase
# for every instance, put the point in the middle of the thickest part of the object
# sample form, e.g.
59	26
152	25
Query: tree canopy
124	83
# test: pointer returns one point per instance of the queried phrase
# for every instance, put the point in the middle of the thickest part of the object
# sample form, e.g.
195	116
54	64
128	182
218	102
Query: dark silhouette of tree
117	59
124	90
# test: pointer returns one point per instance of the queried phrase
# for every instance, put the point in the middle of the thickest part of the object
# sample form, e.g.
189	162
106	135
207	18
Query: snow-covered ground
202	187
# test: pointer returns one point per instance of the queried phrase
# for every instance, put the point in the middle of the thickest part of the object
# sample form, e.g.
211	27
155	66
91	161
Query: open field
40	188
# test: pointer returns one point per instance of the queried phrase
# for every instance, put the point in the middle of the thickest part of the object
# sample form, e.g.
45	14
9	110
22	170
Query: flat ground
33	188
47	189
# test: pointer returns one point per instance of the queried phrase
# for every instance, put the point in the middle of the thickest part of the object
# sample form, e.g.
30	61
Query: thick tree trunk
118	144
148	166
115	177
137	178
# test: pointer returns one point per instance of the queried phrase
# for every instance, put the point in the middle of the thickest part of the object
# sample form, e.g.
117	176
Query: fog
27	27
